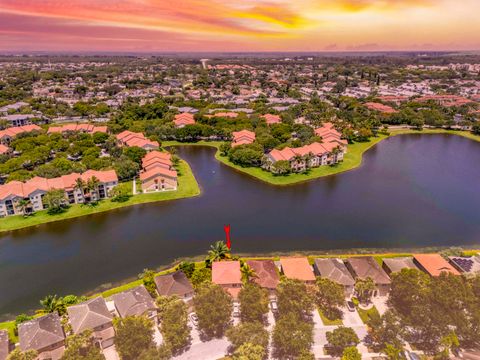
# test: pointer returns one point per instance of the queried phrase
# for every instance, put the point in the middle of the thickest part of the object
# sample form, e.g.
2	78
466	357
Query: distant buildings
7	135
34	189
86	128
272	119
380	107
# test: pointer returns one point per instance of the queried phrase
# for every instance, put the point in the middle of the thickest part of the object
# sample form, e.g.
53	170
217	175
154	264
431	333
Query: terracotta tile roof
225	114
89	315
184	119
380	107
316	149
243	137
176	283
4	149
335	270
367	267
266	274
158	171
133	302
88	128
16	130
271	119
297	268
226	272
66	182
41	332
434	264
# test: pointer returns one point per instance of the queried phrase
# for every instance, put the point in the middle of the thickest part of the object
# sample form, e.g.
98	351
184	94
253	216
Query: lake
411	191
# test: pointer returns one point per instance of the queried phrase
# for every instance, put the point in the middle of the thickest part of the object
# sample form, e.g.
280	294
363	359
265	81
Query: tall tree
82	347
341	338
253	303
329	297
133	335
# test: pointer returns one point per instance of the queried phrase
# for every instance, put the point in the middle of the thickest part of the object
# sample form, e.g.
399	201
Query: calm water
412	191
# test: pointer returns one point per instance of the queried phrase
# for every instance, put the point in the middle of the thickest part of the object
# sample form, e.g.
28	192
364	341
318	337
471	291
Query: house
129	138
298	269
242	137
367	267
34	189
393	265
18	119
85	128
135	302
380	107
175	283
183	119
8	134
4	344
227	274
93	315
44	335
158	173
266	275
434	264
301	158
468	265
330	135
336	271
272	119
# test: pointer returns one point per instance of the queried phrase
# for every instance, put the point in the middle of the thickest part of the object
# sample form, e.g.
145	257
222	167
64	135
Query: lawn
9	326
366	315
328	322
352	159
187	187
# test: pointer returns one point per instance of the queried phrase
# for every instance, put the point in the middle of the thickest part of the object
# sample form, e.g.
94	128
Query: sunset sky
238	25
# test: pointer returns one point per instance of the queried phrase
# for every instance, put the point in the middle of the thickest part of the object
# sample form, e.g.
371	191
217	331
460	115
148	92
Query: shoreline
188	187
107	290
353	159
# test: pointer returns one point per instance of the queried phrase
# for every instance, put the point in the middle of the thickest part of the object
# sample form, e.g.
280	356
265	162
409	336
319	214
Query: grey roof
132	302
366	267
4	344
335	270
89	315
397	264
41	332
176	283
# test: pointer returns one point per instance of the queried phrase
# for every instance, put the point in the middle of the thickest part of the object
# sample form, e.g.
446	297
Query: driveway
380	303
110	353
157	336
208	350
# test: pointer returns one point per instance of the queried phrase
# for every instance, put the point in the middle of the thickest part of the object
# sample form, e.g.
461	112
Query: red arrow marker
227	234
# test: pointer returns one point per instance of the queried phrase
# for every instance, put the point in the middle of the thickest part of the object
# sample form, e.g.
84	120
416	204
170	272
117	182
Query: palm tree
50	304
218	251
22	205
92	185
80	185
364	289
247	272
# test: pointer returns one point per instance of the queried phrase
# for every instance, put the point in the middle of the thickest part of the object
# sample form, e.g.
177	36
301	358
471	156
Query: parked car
274	306
236	310
411	356
350	306
194	319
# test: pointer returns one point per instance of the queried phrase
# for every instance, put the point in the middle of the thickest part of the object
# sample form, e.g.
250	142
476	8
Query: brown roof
41	332
297	268
366	267
434	264
4	344
133	302
175	283
334	270
89	315
226	272
265	273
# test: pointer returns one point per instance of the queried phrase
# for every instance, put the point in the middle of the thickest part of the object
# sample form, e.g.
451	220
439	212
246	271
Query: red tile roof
226	272
380	107
243	137
88	128
435	264
271	118
297	268
16	130
184	119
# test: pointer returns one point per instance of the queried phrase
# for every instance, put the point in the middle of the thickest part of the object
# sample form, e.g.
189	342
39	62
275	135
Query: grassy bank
187	187
352	160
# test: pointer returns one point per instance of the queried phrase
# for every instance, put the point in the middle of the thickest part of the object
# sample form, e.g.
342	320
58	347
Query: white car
274	306
194	319
236	310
